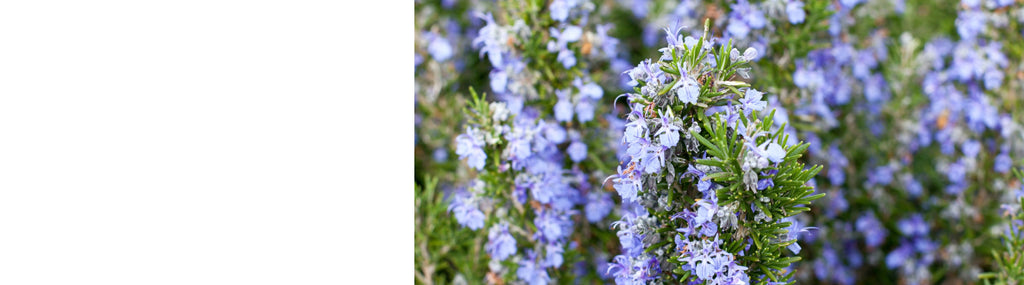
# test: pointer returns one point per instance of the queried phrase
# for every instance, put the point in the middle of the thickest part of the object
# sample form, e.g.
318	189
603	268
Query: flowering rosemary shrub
528	186
899	119
710	186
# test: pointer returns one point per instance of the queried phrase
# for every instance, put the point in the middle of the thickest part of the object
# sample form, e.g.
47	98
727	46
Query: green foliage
438	236
1010	260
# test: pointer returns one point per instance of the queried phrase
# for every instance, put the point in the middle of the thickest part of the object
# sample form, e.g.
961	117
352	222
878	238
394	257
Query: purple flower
957	172
749	54
837	164
439	48
668	135
466	212
552	225
563	109
795	11
500	244
530	271
584	111
793	232
492	40
765	183
560	9
898	256
708	262
652	161
599	205
440	155
970	23
568	35
1003	163
743	18
470	146
500	75
688	90
554	133
554	255
752	101
874	232
774	152
881	175
627	186
590	90
913	186
849	3
913	226
971	148
577	151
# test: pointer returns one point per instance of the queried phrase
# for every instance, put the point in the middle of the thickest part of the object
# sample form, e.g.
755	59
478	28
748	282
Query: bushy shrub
719	142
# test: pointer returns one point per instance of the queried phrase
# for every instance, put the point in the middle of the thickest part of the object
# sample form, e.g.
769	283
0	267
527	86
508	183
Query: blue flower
577	151
652	161
874	232
668	135
627	185
563	109
752	101
584	111
530	272
971	148
560	9
554	255
837	164
589	90
466	212
1003	163
688	90
552	226
635	131
774	152
795	11
970	23
708	262
500	75
470	146
599	205
570	34
793	232
850	3
913	226
743	18
881	175
898	256
765	183
703	185
500	244
957	172
440	155
913	187
439	48
492	39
